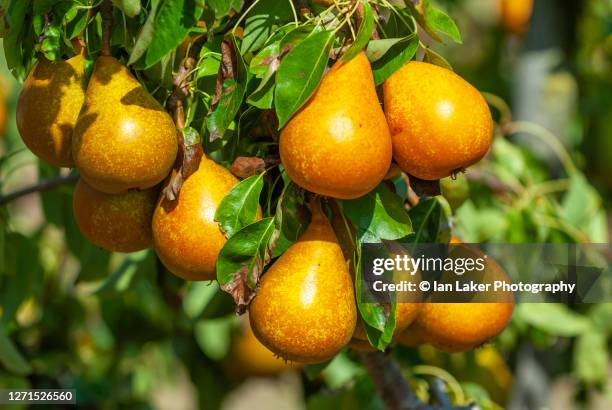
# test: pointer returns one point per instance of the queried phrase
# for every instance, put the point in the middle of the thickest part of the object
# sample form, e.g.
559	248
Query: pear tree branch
41	186
396	393
106	12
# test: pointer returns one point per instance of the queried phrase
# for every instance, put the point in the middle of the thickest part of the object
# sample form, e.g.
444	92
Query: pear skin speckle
186	236
339	144
439	122
305	309
118	223
123	139
48	107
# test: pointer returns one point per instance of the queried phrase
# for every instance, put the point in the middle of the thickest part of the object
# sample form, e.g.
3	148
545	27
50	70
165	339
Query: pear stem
395	392
41	186
106	12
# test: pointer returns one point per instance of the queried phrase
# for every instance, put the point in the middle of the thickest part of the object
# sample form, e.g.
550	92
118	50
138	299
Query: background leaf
10	356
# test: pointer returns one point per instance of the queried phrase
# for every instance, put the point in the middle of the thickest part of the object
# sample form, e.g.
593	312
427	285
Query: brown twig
190	154
41	186
106	12
176	102
393	388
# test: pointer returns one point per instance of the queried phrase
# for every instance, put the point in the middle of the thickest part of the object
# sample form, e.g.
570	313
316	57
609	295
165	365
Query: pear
304	309
248	357
118	223
48	107
123	139
186	236
440	124
459	327
339	143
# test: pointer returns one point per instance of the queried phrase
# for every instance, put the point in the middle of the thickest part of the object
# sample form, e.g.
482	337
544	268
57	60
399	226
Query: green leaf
262	21
378	48
239	207
130	8
591	356
146	34
364	33
442	23
223	7
554	319
226	109
199	295
434	58
214	336
396	56
581	203
378	319
299	74
10	356
43	6
378	215
13	47
431	222
292	216
434	20
121	278
313	371
245	251
173	22
264	65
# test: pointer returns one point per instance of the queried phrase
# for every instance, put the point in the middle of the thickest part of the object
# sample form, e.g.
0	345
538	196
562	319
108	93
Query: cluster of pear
124	145
340	144
450	326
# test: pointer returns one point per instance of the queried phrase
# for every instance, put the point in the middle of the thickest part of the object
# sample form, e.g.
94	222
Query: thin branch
393	389
190	153
41	186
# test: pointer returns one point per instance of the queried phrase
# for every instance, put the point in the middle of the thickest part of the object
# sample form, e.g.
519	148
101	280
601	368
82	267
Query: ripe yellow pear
48	107
516	14
458	327
123	139
338	144
186	236
118	223
304	309
440	124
